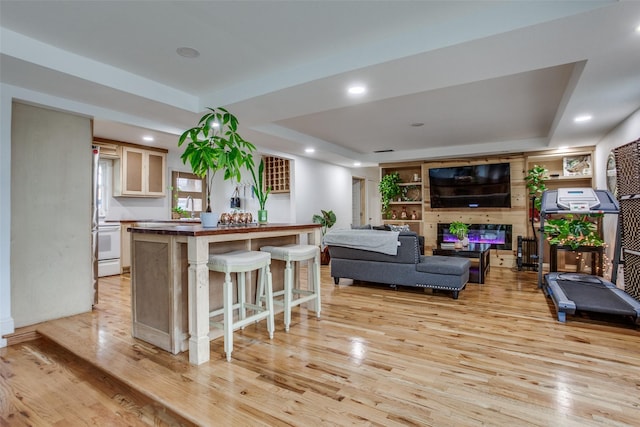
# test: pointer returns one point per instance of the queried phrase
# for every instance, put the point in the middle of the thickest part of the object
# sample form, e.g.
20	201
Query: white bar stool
241	262
289	254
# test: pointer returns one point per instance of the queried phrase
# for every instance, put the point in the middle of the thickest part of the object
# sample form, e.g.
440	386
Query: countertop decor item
259	189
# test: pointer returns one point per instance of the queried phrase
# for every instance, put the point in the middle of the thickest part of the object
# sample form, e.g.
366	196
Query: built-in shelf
412	184
570	178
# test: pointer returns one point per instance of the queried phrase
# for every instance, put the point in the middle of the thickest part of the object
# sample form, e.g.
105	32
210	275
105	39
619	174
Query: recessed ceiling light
356	163
309	150
583	118
147	138
187	52
357	90
638	29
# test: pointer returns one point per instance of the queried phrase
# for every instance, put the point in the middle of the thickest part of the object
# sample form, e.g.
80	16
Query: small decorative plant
573	232
259	189
389	189
535	180
214	145
327	219
179	211
459	229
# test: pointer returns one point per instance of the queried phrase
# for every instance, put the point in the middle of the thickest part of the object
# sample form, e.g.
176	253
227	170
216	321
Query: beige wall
51	274
517	215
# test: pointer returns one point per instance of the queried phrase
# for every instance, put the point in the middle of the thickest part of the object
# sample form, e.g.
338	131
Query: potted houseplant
178	212
573	231
461	231
535	181
389	189
326	219
259	190
215	145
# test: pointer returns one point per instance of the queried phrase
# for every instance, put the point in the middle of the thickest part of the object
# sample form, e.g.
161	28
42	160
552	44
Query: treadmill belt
591	296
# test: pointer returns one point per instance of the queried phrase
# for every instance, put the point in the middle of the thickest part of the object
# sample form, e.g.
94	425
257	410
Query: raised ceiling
480	76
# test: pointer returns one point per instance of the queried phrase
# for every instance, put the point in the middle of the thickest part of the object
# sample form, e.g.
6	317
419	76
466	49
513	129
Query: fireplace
498	235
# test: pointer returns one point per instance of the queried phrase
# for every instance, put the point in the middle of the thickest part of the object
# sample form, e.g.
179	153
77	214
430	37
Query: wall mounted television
471	186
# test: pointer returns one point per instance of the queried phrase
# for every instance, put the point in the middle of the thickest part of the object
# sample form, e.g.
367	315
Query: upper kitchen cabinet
139	172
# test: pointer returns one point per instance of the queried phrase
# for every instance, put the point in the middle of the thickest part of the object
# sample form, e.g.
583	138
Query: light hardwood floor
380	357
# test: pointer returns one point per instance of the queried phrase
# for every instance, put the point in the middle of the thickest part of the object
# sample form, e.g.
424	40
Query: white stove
108	249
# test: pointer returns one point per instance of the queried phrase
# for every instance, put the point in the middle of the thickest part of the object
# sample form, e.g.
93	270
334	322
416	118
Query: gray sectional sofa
407	267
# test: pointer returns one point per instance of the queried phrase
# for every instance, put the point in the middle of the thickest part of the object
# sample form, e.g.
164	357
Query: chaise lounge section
407	267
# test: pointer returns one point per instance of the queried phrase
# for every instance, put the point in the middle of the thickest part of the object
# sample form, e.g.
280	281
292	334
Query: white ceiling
482	76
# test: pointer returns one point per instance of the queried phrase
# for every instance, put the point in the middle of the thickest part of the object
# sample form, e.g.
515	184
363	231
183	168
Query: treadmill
571	292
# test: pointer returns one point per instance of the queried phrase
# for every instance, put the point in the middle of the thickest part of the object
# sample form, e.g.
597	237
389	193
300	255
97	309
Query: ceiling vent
388	150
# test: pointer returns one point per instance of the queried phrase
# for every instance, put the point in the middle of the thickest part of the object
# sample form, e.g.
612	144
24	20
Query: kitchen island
172	289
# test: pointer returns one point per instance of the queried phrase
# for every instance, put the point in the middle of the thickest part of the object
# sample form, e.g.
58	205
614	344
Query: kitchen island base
173	290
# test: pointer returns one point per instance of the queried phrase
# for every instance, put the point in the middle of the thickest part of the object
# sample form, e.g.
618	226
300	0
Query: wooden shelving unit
408	210
565	167
564	172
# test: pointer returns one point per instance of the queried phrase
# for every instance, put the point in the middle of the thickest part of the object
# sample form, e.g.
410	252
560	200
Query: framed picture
576	165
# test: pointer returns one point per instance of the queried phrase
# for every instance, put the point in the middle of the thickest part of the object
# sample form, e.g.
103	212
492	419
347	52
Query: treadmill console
577	199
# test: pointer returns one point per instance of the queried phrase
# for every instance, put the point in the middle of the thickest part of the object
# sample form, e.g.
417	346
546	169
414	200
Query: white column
198	255
6	321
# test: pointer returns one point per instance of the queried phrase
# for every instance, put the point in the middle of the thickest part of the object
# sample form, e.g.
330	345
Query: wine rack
277	174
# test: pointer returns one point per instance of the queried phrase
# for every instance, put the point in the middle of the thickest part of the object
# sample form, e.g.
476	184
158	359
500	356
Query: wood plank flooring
377	357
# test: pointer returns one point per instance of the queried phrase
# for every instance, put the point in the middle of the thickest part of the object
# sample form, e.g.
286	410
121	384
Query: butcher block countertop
159	221
198	230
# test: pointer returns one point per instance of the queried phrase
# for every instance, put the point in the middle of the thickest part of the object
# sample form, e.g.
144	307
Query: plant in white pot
215	145
259	190
461	231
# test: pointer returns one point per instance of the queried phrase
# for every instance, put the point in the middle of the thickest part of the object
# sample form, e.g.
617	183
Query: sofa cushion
400	228
361	227
437	264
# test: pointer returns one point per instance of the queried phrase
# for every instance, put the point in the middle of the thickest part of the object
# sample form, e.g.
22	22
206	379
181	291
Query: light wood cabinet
408	208
139	172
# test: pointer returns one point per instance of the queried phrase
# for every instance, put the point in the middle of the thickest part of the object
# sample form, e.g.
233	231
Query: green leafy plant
215	145
535	181
180	211
573	232
460	229
327	219
259	189
389	189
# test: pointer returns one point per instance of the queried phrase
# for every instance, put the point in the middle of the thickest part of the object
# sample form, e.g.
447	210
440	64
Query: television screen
475	186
